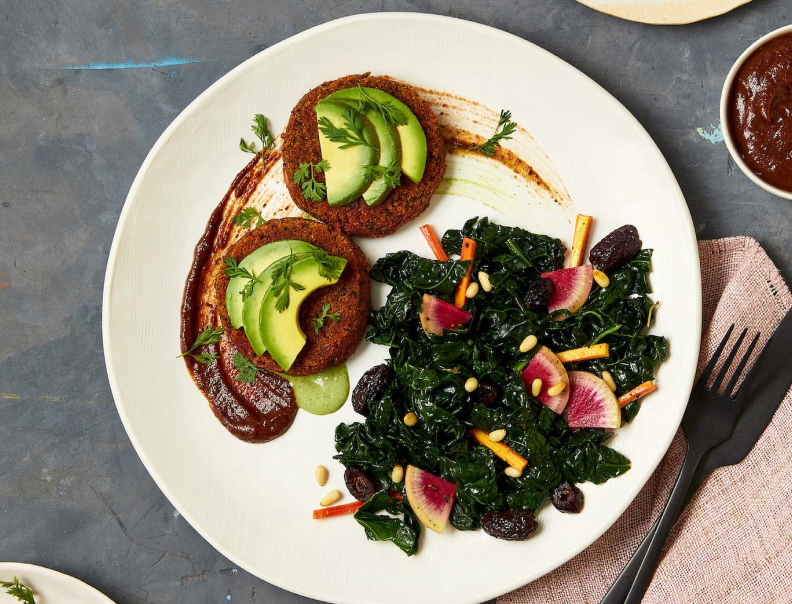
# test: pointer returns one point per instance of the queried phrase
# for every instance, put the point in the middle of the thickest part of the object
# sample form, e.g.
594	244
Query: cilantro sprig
352	134
503	131
233	270
391	174
282	282
305	176
206	337
262	132
18	590
247	370
246	216
392	114
319	322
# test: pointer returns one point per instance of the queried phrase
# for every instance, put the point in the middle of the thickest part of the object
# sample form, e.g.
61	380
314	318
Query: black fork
709	421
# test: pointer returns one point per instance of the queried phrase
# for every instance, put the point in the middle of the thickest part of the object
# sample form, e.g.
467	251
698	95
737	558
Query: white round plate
664	12
49	586
254	502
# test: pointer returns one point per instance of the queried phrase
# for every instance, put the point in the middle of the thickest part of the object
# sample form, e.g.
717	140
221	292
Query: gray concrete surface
73	494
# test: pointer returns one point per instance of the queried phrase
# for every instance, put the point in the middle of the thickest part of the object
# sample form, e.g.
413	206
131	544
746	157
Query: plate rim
164	138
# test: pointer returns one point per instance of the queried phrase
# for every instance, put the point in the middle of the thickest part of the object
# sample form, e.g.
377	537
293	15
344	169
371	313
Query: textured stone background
86	88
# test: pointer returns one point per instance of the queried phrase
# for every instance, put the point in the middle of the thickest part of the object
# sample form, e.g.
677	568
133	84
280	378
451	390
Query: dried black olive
538	293
616	249
511	525
568	498
487	393
358	483
371	387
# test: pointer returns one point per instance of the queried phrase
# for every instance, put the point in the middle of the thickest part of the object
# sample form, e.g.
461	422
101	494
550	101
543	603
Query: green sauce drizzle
321	393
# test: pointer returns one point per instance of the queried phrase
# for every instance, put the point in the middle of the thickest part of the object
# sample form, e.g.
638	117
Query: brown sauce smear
254	412
760	112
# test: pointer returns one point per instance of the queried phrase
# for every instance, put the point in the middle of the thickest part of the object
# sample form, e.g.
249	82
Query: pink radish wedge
591	403
430	497
546	367
438	315
571	287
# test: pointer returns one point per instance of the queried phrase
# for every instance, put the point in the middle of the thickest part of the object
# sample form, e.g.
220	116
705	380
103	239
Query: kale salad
507	376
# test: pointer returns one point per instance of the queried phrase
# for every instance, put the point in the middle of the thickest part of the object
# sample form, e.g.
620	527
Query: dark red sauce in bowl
760	112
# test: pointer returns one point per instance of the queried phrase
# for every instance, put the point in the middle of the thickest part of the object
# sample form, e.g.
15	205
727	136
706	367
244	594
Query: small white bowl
724	113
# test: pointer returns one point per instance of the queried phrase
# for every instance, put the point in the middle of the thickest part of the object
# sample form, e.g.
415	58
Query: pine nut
608	379
411	419
397	474
472	290
471	384
557	389
485	282
497	435
528	343
512	472
536	387
321	475
330	498
601	278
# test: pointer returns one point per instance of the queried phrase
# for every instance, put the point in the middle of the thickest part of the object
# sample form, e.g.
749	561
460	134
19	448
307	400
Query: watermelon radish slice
430	497
438	315
591	403
571	287
546	366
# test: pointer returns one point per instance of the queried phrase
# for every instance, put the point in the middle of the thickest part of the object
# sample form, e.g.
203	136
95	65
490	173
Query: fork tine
729	360
705	375
743	362
746	384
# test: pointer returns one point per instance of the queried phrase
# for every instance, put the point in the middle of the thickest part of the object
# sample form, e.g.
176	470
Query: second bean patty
351	297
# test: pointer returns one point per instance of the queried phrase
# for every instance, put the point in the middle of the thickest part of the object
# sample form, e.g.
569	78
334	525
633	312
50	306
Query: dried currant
359	484
487	393
371	387
511	525
538	293
616	249
568	498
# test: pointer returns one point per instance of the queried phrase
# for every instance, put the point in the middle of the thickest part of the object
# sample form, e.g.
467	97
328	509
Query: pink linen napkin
733	543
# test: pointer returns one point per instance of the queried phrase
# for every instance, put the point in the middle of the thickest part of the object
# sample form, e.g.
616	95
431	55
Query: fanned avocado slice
346	178
251	310
280	328
256	262
411	135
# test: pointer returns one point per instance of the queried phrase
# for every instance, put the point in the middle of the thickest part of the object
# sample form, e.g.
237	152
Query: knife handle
672	510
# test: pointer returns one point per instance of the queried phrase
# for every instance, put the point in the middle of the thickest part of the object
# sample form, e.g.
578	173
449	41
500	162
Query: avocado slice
345	178
251	309
390	153
256	262
413	139
281	331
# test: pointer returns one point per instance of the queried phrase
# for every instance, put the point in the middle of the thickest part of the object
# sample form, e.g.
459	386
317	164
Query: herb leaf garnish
503	131
330	267
319	321
246	216
206	337
233	270
247	370
18	590
282	283
305	176
351	135
262	132
393	115
391	174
